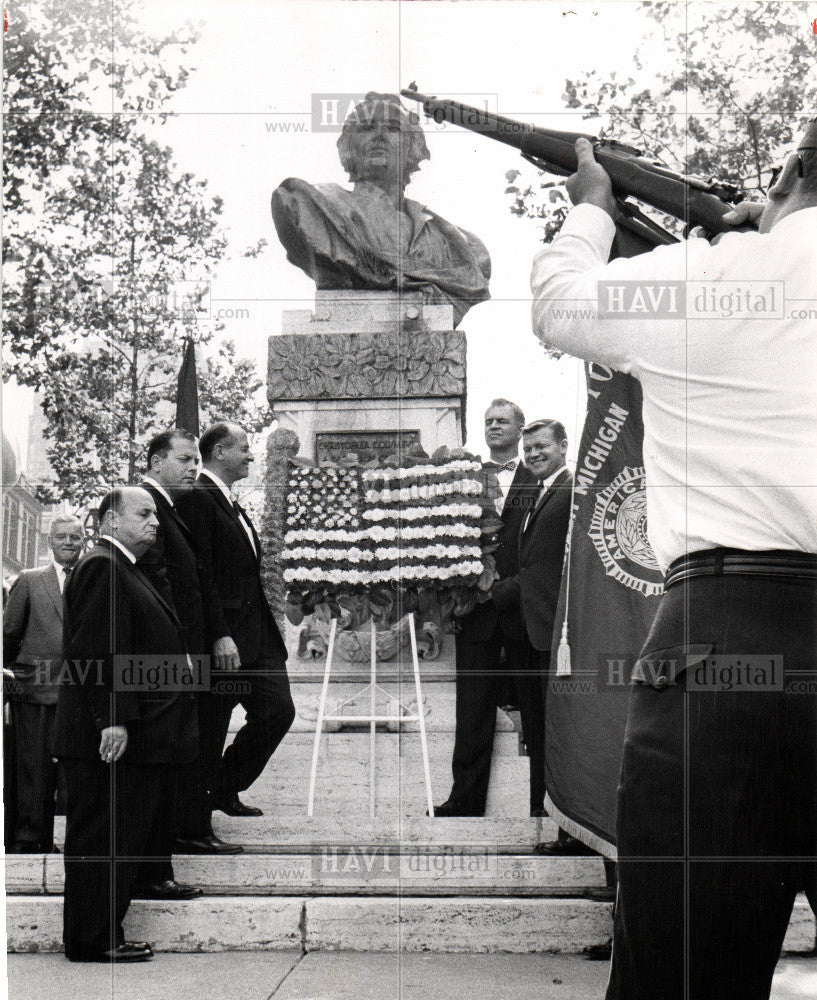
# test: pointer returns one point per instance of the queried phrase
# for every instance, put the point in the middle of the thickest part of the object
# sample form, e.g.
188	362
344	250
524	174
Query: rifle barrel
631	173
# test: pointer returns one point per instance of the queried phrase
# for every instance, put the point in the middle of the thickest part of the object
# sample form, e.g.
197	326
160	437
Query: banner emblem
618	529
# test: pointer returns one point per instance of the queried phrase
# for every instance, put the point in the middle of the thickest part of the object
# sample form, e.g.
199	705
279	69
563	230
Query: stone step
351	826
439	701
350	870
311	923
342	796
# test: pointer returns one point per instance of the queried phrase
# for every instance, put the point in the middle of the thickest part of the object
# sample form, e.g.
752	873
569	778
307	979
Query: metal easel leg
372	723
321	712
421	714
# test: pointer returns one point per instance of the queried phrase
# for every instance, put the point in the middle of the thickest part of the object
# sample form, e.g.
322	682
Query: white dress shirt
241	518
62	572
160	488
122	548
543	488
730	404
504	475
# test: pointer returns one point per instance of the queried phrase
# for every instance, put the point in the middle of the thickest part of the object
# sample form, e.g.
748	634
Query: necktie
245	524
499	467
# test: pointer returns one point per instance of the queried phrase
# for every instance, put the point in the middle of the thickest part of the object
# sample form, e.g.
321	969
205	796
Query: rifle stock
694	202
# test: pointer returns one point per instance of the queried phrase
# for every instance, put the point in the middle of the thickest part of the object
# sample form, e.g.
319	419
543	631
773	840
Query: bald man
126	725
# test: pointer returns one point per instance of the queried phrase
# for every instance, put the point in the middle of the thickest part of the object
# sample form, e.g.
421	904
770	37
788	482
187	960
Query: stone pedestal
368	373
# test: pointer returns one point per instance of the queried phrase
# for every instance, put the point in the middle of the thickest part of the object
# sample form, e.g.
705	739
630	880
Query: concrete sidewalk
326	975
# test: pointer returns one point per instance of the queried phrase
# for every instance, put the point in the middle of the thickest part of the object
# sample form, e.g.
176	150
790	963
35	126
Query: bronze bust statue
373	237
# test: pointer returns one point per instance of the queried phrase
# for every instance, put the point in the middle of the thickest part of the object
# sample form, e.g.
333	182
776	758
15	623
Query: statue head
380	139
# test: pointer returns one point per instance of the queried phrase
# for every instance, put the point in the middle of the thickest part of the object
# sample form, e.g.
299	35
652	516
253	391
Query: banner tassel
563	668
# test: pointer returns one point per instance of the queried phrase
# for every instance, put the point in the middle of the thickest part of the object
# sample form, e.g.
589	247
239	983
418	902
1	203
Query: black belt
780	563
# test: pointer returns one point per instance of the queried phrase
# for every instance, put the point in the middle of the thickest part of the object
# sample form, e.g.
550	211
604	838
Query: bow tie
496	467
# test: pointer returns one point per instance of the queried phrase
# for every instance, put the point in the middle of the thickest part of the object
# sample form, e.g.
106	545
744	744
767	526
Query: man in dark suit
228	545
172	562
32	647
126	725
534	591
487	634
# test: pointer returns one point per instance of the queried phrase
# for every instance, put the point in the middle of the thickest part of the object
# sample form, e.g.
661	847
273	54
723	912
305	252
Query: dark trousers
479	684
717	813
158	864
111	817
262	689
36	774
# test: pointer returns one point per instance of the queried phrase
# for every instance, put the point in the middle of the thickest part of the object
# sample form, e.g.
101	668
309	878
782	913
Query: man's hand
225	654
590	185
745	214
113	743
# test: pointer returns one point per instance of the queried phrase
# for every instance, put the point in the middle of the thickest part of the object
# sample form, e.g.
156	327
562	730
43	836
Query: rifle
692	200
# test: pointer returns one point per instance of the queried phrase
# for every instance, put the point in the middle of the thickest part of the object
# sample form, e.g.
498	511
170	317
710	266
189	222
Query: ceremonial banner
612	590
187	392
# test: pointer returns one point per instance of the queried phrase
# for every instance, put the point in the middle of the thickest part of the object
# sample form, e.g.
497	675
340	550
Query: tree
108	251
694	104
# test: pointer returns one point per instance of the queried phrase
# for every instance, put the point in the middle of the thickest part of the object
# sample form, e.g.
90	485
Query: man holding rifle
717	819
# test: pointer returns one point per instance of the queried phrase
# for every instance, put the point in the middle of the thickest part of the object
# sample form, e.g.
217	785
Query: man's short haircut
71	519
217	434
111	501
556	428
519	416
162	442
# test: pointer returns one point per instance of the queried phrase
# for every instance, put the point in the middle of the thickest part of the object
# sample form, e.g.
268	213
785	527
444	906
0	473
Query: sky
243	124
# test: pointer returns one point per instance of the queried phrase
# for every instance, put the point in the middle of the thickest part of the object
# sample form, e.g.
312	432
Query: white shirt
122	548
546	484
62	572
505	477
241	518
730	403
160	488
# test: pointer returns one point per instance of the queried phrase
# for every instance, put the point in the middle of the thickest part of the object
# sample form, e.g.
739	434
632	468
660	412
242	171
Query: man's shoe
128	951
538	811
235	807
26	847
168	889
601	893
564	847
454	809
206	845
599	952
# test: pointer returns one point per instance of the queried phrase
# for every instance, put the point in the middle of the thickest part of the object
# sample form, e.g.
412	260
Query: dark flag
187	392
612	586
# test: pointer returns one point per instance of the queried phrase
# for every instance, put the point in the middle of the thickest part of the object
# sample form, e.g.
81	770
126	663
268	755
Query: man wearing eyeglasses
717	814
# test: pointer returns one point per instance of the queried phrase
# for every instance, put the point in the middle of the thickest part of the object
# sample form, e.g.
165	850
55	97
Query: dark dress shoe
450	808
235	807
564	847
26	847
210	844
599	952
128	951
601	893
168	889
538	811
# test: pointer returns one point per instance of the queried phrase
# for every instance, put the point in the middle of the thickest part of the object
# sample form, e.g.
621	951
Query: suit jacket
172	561
535	587
32	634
479	624
223	546
113	610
